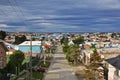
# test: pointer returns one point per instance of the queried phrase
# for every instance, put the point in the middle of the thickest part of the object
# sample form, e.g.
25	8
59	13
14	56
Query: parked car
38	69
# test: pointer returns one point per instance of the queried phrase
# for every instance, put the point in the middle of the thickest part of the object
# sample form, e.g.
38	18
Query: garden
18	66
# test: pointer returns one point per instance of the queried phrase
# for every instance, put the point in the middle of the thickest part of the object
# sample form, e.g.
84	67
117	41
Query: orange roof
86	46
12	50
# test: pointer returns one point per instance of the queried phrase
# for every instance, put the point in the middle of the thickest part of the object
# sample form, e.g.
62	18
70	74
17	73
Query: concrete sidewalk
60	69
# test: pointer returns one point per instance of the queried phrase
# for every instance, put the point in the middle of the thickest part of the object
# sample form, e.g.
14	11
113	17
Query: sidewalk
60	69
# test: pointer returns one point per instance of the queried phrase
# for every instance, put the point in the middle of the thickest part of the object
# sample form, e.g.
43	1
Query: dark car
39	69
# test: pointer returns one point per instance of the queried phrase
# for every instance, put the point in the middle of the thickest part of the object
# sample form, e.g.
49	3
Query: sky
60	15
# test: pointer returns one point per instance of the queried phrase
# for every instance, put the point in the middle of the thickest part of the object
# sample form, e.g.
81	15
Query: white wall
111	75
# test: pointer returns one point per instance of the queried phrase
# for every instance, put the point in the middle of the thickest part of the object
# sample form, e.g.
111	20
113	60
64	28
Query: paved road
60	69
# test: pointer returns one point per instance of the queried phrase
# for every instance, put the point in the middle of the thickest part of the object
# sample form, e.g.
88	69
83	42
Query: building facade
3	50
25	48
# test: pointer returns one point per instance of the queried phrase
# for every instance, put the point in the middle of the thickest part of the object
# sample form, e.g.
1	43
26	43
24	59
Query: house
3	50
25	47
70	43
10	47
10	51
10	39
114	68
86	55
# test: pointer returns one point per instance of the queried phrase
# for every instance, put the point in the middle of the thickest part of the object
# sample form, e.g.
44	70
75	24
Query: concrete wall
111	73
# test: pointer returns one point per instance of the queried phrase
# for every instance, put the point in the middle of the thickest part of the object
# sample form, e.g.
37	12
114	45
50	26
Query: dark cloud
60	15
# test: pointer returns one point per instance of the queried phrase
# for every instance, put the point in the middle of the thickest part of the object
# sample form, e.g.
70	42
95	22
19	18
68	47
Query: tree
95	57
72	53
20	39
17	58
10	67
95	62
23	38
43	38
75	56
79	40
65	48
113	35
64	40
93	47
2	35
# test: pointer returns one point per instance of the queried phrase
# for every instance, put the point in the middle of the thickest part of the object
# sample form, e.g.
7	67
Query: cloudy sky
60	15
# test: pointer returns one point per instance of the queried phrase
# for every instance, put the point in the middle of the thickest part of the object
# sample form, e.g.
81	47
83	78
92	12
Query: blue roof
35	49
36	36
39	37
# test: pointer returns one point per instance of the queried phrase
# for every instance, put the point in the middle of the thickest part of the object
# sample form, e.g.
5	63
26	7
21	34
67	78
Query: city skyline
60	16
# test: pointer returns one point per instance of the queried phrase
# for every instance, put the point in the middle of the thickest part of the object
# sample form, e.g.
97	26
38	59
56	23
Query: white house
25	47
114	68
70	43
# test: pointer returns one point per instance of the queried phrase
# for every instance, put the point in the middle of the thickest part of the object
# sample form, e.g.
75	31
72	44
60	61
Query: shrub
37	75
68	57
65	48
44	65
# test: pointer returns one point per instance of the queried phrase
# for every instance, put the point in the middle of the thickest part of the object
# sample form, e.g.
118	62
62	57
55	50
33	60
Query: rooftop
26	43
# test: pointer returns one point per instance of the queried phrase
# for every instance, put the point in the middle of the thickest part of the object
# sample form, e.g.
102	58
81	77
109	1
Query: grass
44	65
37	75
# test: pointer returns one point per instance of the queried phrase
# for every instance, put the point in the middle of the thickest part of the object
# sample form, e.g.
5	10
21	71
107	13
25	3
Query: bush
37	75
65	48
35	61
44	65
3	74
79	40
68	57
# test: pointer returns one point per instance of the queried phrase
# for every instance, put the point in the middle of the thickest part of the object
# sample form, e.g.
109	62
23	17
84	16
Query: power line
23	18
5	19
17	5
3	13
16	9
12	6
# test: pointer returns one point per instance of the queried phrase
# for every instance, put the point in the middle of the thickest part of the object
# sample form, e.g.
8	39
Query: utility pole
30	76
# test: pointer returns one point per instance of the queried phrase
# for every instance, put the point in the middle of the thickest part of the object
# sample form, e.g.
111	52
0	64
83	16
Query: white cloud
22	29
57	26
41	13
107	19
3	26
100	29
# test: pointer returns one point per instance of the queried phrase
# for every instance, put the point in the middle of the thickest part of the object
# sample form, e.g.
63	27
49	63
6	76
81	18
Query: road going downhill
60	69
